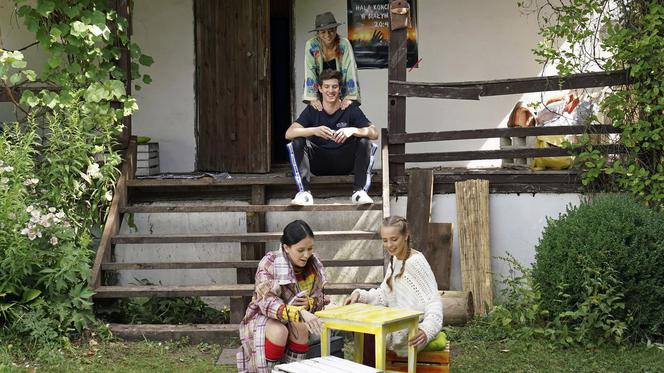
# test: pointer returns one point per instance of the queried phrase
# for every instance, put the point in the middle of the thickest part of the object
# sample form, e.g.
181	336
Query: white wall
516	223
165	31
458	41
13	36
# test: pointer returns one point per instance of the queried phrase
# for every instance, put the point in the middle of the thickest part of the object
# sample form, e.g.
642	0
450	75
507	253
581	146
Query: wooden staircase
149	196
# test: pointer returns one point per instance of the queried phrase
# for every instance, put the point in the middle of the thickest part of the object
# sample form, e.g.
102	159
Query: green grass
467	356
483	356
125	357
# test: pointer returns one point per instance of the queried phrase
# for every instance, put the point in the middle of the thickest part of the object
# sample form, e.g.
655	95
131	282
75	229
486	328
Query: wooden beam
236	237
396	106
253	264
384	156
401	138
255	222
497	154
114	217
473	90
243	180
194	333
206	290
200	208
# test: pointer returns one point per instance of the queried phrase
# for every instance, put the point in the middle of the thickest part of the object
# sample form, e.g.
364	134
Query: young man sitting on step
333	141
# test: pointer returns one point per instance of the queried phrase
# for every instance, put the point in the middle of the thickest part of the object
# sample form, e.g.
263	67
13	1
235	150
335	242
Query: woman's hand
300	301
354	298
312	322
346	103
316	104
419	340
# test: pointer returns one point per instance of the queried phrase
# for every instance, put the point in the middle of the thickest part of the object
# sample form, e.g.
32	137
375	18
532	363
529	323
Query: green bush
612	244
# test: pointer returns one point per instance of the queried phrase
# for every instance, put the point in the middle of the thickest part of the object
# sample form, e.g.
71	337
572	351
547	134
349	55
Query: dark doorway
281	26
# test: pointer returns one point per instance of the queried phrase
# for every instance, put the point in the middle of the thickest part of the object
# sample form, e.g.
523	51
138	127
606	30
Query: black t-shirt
351	117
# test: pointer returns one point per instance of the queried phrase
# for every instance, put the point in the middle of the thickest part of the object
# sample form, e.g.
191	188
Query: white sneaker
303	199
361	198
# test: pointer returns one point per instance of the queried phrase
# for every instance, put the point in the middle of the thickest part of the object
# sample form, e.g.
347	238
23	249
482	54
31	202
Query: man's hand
316	104
343	134
354	298
312	322
419	340
346	103
323	132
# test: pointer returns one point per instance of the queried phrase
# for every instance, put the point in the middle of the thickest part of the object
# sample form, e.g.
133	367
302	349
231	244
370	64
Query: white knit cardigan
415	290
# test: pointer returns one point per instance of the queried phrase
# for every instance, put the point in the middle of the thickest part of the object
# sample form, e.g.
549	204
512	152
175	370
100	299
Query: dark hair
402	223
295	232
328	74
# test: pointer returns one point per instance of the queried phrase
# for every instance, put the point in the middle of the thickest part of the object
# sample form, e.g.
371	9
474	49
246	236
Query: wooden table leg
359	347
325	342
412	352
381	338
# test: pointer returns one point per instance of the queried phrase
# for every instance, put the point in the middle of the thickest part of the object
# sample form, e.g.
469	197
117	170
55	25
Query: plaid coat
275	286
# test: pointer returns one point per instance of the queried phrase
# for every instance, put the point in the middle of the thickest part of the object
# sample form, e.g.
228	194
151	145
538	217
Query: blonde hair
402	224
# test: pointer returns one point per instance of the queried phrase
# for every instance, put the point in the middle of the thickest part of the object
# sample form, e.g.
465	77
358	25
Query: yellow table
365	318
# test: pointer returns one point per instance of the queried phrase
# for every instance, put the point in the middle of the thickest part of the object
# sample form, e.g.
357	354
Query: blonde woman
410	284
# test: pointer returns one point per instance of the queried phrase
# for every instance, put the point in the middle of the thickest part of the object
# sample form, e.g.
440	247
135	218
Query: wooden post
472	199
396	105
249	251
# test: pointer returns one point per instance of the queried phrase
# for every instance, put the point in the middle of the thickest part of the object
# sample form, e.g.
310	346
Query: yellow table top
367	314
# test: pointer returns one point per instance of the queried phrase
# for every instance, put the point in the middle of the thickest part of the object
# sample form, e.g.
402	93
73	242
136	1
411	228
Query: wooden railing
115	212
396	136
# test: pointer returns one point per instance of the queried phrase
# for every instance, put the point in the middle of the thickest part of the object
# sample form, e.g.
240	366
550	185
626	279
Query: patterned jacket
275	286
313	67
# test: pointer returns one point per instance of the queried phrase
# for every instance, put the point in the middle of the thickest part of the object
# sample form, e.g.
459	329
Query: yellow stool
427	362
365	318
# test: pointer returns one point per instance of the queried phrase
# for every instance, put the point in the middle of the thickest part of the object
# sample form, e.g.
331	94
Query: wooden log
403	138
472	200
458	307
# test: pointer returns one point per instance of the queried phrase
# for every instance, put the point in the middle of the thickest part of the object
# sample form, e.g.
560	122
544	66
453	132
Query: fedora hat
325	21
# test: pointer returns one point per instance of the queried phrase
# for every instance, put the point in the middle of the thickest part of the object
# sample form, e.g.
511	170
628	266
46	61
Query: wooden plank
114	217
384	155
245	180
466	90
472	200
440	252
236	237
253	264
498	154
401	138
200	208
418	211
396	106
194	333
206	290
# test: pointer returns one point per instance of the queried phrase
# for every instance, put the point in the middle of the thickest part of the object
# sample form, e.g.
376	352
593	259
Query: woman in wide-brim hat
328	50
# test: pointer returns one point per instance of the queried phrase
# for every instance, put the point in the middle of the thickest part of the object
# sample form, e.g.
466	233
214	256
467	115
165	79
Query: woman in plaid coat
289	290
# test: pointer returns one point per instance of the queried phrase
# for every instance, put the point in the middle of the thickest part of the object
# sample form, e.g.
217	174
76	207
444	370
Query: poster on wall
369	33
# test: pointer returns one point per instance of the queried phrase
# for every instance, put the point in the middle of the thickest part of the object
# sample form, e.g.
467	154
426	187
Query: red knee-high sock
300	348
273	352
